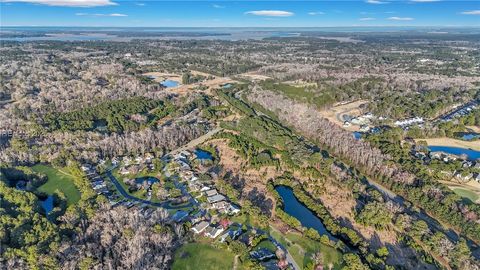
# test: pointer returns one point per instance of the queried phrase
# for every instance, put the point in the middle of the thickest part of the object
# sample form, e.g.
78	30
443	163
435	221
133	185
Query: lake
298	210
170	83
471	154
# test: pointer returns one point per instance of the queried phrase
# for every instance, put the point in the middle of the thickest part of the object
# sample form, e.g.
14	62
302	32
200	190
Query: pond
298	210
227	86
470	136
471	154
201	154
47	204
170	83
357	135
149	179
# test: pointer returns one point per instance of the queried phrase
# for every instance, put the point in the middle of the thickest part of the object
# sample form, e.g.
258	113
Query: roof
200	226
216	198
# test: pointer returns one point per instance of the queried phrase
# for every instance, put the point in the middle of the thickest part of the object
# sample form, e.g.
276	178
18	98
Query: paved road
193	143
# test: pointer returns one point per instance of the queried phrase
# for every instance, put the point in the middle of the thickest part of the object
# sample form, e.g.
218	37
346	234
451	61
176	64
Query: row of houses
98	184
461	111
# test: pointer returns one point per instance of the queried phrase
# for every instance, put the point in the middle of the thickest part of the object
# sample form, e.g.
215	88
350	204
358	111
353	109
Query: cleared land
217	82
336	113
58	180
474	145
469	190
195	256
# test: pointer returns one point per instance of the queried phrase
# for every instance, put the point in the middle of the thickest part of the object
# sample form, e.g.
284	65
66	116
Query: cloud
217	6
376	2
270	13
400	18
425	1
67	3
140	4
367	19
313	13
101	15
471	12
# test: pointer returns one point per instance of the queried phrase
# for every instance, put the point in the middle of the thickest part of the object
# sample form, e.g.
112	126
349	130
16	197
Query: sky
240	13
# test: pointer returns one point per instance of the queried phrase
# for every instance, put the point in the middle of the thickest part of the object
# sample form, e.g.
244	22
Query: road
193	143
124	193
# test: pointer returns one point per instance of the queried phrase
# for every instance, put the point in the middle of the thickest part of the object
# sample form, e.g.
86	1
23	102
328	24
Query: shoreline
473	145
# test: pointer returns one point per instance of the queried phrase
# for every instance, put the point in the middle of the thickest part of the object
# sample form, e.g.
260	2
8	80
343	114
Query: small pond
170	83
471	154
357	135
47	204
227	86
203	155
299	211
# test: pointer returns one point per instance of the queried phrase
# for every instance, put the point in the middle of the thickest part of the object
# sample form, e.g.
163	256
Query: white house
200	227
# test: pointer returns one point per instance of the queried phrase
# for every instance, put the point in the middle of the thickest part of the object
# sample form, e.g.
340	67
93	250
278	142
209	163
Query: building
216	198
211	192
213	232
200	227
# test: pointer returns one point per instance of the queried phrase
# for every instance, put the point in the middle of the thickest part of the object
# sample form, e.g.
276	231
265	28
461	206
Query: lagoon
298	210
471	154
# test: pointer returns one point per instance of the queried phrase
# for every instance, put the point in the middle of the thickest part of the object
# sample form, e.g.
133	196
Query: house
200	227
86	167
233	233
214	231
220	205
205	188
211	192
216	198
477	177
233	209
463	177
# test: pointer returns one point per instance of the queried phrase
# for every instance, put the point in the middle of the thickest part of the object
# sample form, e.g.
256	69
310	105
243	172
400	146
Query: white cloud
102	15
471	12
140	4
270	13
313	13
376	2
367	19
400	18
217	6
67	3
425	1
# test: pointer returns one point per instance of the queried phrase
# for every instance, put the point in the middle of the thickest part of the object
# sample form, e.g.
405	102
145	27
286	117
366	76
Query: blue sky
239	13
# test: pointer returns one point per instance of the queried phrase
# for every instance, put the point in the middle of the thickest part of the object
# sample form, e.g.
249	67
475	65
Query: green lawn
58	180
195	256
302	248
465	193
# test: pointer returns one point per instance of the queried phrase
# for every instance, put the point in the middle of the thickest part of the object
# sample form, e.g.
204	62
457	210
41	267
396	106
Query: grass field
302	248
58	180
465	193
195	256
